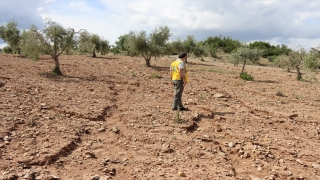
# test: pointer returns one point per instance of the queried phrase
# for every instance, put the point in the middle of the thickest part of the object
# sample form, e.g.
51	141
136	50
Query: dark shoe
184	109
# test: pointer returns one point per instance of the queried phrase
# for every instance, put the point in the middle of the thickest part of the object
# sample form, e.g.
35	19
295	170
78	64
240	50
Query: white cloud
277	21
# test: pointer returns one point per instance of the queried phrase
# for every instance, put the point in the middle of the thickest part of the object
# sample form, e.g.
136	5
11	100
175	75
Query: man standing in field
179	79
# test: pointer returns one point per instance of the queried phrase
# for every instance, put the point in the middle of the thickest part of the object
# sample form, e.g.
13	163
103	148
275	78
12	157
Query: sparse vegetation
243	54
215	70
239	83
203	96
53	39
298	96
246	76
155	75
32	123
279	93
177	117
133	74
147	46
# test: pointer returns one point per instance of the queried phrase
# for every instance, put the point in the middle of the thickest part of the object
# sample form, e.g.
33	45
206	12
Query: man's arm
182	76
171	76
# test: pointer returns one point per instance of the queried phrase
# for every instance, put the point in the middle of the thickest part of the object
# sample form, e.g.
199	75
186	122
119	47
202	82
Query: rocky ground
110	118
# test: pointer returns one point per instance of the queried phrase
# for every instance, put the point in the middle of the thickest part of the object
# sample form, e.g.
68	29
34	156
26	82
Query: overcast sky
290	22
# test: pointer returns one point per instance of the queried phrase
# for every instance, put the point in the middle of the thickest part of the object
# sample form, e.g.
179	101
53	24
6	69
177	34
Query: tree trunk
94	53
244	64
148	61
56	69
299	77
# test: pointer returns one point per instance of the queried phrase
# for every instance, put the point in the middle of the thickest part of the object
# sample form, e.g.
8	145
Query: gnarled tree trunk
56	69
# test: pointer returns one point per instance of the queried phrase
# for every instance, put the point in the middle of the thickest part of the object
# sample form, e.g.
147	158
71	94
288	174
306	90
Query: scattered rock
316	166
259	168
95	177
53	177
6	138
89	154
293	116
115	130
182	174
230	144
101	129
219	95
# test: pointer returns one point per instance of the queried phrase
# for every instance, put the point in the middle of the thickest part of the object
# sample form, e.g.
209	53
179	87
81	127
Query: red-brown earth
110	118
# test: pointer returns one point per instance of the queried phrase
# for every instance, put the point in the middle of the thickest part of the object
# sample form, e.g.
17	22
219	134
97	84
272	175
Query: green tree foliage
53	39
148	46
227	44
104	47
283	62
312	61
201	50
176	46
122	45
298	59
85	44
7	50
158	40
11	35
189	45
270	50
95	40
31	45
243	54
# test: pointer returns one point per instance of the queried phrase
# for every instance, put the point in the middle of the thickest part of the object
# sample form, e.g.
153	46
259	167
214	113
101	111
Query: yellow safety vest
175	70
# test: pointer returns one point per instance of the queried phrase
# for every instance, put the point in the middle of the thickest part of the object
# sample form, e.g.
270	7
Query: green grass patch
156	75
246	76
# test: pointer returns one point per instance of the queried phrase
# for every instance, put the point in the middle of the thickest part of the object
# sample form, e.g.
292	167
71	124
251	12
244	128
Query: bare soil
110	118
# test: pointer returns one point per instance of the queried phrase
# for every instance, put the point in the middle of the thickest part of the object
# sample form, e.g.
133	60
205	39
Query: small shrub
246	76
298	97
279	93
133	74
7	50
203	96
215	70
32	123
239	83
156	75
177	117
271	58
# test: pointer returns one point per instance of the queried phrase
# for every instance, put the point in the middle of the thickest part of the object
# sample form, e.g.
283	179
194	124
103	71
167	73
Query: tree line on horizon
55	40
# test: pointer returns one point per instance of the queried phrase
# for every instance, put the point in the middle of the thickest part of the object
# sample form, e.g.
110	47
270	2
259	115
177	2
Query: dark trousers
178	86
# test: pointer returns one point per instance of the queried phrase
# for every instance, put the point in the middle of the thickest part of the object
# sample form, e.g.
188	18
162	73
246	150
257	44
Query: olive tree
95	39
92	43
283	61
201	50
53	39
312	61
148	45
189	45
85	45
243	54
176	46
10	34
104	47
296	60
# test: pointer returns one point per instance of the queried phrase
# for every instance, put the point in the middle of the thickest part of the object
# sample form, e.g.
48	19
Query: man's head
183	55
